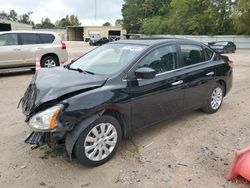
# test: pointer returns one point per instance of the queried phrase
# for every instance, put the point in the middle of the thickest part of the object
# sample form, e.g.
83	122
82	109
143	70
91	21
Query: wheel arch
223	83
120	118
111	110
50	54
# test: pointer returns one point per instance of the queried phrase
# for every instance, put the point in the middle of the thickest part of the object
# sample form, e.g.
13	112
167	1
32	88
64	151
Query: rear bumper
229	81
63	56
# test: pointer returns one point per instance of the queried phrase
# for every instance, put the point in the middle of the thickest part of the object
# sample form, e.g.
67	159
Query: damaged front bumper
37	139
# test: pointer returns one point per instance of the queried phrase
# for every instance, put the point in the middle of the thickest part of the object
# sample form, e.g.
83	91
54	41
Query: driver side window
162	59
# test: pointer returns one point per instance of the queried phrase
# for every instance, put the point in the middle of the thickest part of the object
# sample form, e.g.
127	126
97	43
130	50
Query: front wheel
98	143
215	99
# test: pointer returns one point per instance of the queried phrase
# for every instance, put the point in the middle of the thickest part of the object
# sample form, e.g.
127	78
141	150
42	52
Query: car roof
156	41
222	41
20	31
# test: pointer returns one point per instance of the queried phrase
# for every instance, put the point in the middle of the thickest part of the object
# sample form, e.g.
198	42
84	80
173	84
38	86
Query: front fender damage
72	136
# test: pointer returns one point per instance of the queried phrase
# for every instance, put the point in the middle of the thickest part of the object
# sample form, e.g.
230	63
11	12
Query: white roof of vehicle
18	31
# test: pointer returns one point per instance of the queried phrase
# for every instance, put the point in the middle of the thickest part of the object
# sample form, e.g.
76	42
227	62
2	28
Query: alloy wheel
216	98
100	141
49	63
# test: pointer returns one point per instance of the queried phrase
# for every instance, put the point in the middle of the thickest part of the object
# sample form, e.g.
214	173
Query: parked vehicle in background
223	46
94	41
120	88
114	38
21	48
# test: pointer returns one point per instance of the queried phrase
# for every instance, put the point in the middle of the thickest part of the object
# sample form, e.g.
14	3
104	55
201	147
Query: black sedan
98	41
120	88
223	46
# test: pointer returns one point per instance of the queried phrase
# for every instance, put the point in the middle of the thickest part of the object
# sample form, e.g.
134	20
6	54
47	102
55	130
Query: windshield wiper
79	70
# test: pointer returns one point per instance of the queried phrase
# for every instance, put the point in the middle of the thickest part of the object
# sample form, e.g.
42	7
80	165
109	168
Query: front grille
28	100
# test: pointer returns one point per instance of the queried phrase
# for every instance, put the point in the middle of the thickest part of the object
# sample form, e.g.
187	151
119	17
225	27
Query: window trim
206	55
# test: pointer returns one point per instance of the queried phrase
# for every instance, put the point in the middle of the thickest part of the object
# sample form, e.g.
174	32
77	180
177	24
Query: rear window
29	38
34	38
46	38
192	54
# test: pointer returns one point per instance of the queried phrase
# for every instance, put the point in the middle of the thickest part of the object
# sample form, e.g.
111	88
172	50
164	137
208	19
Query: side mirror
145	73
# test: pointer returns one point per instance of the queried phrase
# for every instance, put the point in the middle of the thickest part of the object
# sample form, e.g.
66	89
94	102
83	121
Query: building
6	25
83	33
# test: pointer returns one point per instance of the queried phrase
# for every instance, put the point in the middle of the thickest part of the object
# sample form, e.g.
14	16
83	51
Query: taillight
230	63
63	45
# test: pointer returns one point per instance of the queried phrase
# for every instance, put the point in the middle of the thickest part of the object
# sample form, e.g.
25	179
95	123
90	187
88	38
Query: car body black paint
139	102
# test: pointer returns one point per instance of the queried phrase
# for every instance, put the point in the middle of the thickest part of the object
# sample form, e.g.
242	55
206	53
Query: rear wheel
49	62
215	99
99	142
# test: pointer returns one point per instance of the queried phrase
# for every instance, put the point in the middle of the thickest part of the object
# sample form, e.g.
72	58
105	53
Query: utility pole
95	10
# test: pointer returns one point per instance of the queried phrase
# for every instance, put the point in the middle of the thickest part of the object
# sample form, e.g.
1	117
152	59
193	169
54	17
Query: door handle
210	73
177	83
40	48
17	49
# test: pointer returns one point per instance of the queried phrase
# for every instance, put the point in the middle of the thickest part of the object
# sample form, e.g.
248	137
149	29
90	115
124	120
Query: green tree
223	16
132	12
4	15
119	22
241	17
106	24
71	20
13	16
154	25
45	24
192	17
25	18
179	16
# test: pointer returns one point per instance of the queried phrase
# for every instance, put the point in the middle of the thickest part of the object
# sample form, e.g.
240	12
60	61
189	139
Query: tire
93	139
214	99
49	62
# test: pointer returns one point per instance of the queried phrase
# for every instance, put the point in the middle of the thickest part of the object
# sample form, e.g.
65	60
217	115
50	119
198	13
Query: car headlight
45	120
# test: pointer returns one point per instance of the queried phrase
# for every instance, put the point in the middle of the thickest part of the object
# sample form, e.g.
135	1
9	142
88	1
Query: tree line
46	23
192	17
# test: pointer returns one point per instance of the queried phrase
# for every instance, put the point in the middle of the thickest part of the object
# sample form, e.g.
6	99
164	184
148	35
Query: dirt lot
193	151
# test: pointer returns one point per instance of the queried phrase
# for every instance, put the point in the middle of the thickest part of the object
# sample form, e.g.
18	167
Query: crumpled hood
50	84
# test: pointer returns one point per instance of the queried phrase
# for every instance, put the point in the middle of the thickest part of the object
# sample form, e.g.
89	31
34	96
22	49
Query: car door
199	71
10	50
160	98
31	47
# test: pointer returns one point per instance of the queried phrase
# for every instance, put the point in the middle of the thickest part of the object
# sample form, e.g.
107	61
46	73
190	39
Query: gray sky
106	10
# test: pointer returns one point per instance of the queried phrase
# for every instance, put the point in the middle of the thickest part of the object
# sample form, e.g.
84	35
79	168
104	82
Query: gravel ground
194	150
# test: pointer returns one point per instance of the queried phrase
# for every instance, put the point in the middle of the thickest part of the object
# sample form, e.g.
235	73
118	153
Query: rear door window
8	39
46	38
29	38
192	54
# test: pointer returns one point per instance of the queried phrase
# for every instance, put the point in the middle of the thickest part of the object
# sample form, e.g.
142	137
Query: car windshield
108	59
221	43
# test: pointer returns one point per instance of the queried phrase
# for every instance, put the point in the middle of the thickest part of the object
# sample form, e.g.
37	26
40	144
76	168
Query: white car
23	48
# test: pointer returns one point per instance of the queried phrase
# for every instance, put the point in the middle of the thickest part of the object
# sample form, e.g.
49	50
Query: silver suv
22	48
